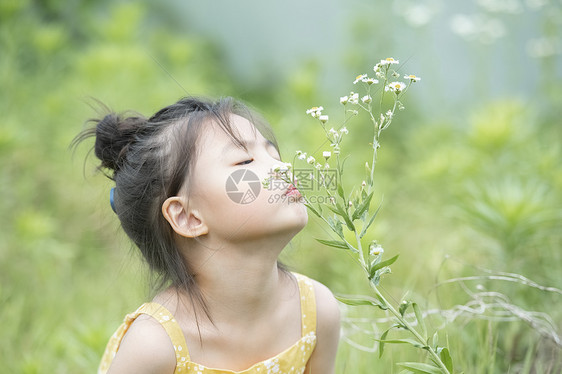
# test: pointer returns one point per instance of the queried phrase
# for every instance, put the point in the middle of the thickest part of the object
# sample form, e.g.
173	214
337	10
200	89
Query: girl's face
227	187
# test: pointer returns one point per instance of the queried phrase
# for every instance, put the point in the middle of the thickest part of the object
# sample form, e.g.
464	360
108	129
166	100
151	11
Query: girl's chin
300	221
296	223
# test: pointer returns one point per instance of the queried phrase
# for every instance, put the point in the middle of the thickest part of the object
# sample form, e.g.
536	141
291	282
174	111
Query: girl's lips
292	190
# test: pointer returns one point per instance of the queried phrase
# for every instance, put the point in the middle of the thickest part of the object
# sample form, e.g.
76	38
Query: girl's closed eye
245	162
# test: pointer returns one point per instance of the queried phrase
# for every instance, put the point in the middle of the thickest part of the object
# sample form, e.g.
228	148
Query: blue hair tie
112	199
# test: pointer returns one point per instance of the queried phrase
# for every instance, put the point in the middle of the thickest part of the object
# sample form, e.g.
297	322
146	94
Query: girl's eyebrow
244	144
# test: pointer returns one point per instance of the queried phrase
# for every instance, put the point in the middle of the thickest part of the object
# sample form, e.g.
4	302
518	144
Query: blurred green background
470	172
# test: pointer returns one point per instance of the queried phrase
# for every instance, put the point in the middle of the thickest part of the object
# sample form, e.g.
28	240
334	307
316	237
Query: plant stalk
414	332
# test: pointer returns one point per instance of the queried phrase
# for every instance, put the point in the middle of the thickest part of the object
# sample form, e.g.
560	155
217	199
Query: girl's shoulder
328	312
145	348
326	304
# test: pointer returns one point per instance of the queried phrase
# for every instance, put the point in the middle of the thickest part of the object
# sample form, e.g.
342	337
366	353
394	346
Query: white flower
369	81
389	114
311	160
412	78
301	155
327	154
323	118
344	100
376	249
359	78
333	132
389	61
344	130
397	87
354	98
366	99
377	68
318	166
282	168
315	111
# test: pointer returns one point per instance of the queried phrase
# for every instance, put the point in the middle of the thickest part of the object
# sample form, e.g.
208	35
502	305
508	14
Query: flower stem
360	248
409	327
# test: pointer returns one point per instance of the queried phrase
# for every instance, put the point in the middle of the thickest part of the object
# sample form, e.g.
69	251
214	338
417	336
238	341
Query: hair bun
114	135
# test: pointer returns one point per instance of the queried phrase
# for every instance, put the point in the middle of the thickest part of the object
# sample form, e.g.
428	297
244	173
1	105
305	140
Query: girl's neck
239	282
240	293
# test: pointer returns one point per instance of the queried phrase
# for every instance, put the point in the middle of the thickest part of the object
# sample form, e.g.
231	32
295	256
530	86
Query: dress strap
169	323
308	304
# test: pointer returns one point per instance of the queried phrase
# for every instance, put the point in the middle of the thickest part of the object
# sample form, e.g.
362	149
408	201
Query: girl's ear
184	221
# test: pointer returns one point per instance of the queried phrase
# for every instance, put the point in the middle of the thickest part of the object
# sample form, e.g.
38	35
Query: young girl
224	305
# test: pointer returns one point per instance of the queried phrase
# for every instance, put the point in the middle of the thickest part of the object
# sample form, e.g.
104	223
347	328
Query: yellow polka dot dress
293	360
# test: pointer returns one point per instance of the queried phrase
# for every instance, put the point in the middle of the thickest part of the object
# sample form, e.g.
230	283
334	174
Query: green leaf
357	301
435	339
363	207
334	209
332	222
447	360
403	307
340	191
382	264
334	243
418	367
412	342
419	317
364	231
339	229
345	217
341	169
356	201
381	342
353	301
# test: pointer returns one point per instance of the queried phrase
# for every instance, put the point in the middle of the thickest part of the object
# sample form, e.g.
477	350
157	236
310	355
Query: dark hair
150	160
